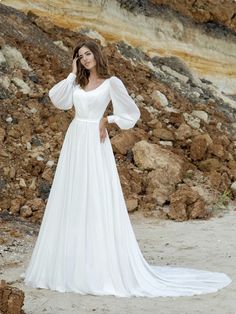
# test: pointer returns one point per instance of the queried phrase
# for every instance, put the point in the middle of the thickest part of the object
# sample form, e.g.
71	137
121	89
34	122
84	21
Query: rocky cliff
159	28
180	159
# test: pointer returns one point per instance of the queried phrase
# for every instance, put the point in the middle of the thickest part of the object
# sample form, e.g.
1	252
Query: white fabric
86	243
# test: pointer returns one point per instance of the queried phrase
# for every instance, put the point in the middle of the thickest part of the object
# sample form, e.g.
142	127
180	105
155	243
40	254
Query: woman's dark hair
101	62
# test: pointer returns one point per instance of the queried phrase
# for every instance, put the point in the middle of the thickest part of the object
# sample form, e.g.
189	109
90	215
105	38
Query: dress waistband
87	120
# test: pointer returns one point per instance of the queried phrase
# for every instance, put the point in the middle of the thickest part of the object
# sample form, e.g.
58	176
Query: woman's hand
74	65
102	129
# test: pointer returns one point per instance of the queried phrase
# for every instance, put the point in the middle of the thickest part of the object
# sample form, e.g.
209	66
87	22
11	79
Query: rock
44	189
2	42
32	185
174	73
124	141
45	24
202	115
163	134
219	181
162	181
5	81
209	164
15	205
131	181
14	58
233	188
207	137
205	11
50	163
28	146
198	148
177	65
132	205
166	143
25	89
9	119
139	98
22	183
146	116
2	135
11	299
35	204
155	124
214	178
14	132
232	164
2	59
37	216
160	98
4	203
207	193
183	132
47	174
12	172
152	156
147	203
167	169
217	150
194	122
25	211
3	153
39	158
186	204
61	45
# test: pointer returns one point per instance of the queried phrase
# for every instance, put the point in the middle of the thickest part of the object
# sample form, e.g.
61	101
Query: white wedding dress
86	243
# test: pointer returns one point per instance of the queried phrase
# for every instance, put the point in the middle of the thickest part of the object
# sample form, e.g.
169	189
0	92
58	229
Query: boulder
167	170
160	98
183	132
187	204
198	148
163	134
149	156
202	115
11	299
132	205
124	141
209	164
161	183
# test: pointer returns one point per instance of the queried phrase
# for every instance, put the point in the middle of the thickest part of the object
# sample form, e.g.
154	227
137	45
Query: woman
86	243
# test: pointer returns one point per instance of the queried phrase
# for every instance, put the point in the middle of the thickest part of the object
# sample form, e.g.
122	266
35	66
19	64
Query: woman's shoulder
114	80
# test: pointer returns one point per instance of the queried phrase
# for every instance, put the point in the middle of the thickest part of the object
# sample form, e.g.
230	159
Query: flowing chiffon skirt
86	243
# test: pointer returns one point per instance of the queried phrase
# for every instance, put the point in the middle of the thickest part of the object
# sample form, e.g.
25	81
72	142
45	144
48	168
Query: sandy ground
208	245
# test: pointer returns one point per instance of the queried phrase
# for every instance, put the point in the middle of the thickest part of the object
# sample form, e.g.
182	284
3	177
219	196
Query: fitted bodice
91	104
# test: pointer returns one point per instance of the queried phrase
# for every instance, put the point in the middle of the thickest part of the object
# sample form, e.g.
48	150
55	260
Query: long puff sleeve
125	111
61	93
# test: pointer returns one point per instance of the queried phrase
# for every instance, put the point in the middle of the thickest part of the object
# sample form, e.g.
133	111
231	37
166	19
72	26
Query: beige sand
208	245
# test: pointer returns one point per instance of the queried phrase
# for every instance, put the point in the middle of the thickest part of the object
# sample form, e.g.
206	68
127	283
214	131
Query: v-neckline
88	91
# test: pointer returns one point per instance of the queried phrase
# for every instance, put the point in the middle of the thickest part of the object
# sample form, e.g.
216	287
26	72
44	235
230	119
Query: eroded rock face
222	12
182	123
163	33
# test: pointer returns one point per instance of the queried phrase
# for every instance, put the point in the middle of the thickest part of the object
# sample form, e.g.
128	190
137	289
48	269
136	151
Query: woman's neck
93	75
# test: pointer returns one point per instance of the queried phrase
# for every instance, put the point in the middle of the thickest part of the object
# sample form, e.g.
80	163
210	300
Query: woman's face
86	58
